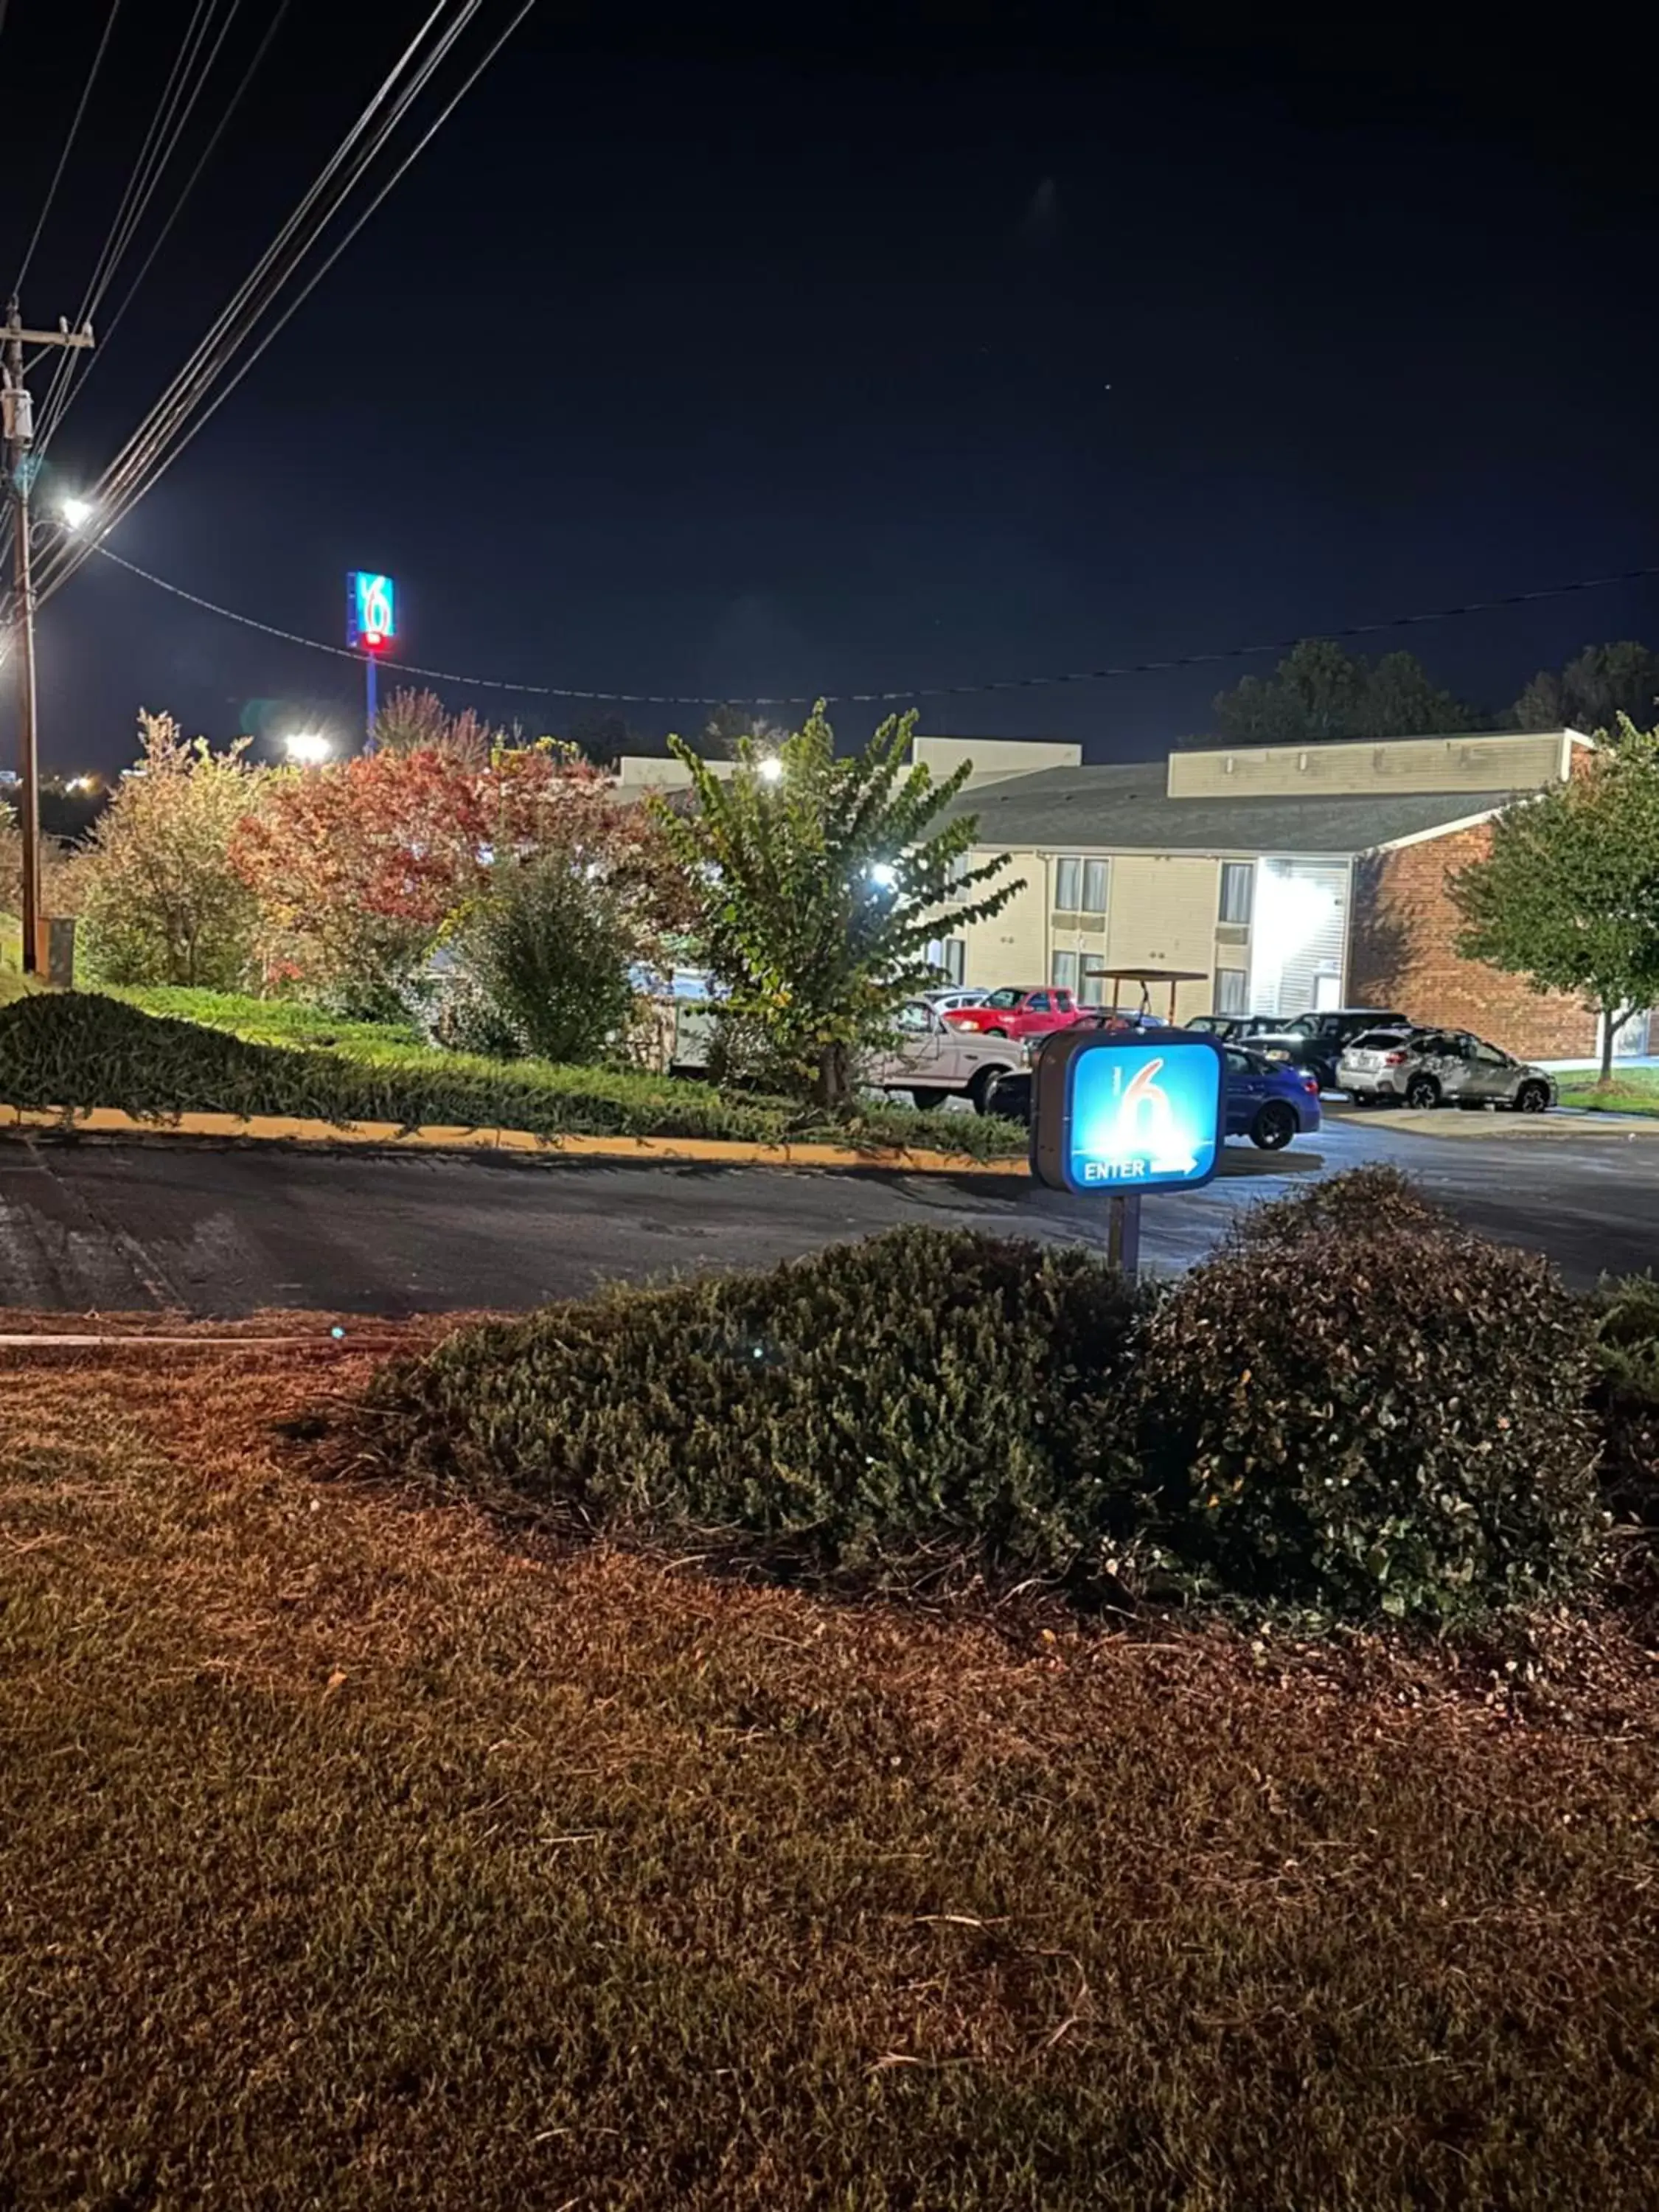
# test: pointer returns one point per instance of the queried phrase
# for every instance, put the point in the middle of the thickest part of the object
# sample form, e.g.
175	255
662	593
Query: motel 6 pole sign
1117	1113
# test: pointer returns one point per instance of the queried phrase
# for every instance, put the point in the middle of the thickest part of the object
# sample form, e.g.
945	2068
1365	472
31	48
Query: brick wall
1403	953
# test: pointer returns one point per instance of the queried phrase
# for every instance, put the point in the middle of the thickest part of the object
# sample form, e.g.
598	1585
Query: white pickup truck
933	1061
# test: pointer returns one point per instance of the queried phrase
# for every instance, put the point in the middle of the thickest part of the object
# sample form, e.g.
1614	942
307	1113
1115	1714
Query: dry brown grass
356	1856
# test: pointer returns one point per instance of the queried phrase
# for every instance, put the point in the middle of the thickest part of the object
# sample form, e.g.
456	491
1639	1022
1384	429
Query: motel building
1292	878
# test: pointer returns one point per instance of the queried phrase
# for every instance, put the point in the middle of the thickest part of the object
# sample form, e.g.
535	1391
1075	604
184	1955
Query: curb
1514	1128
712	1152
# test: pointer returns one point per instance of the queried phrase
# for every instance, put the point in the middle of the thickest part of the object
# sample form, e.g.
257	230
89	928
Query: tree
161	899
1568	895
361	866
1592	690
1318	692
549	952
819	881
602	736
727	726
356	868
417	721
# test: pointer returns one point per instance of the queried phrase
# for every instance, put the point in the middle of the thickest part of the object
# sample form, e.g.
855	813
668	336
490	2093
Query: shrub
1627	1395
924	1401
1358	1203
548	951
160	900
78	1049
1391	1420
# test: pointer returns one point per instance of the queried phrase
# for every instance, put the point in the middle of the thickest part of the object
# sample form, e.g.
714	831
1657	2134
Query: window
1232	990
914	1017
1093	992
1065	971
1490	1056
1237	890
1080	885
1005	998
1037	1003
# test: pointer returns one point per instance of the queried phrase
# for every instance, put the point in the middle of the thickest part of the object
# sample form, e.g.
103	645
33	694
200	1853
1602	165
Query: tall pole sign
371	626
1115	1115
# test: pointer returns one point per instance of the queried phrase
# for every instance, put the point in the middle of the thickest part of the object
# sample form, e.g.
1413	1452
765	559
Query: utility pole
18	424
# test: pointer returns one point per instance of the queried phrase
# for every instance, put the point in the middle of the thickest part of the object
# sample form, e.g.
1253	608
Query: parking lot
228	1229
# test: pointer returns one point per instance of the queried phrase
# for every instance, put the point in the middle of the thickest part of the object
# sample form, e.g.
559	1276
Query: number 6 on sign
1114	1114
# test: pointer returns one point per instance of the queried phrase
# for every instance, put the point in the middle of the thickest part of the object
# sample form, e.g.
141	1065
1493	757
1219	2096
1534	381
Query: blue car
1267	1102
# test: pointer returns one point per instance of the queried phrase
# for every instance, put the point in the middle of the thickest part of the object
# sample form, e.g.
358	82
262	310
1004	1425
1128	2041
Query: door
1491	1074
1247	1086
922	1046
1037	1014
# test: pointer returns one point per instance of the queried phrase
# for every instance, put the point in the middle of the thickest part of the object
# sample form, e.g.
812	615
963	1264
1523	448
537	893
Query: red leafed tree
358	867
361	867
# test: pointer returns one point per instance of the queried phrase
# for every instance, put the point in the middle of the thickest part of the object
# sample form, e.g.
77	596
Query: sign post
1117	1114
371	626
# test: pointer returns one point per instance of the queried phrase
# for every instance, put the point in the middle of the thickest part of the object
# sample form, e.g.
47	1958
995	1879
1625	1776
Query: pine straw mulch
360	1852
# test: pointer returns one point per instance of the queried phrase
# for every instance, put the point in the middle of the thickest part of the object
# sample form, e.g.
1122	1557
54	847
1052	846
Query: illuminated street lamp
770	771
307	748
75	511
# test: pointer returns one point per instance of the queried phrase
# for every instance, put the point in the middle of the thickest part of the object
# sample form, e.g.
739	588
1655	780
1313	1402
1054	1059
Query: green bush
923	1403
1388	1421
548	953
77	1050
1627	1395
1358	1203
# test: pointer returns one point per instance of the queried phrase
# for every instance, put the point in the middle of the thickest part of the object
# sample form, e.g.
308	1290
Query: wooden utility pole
18	423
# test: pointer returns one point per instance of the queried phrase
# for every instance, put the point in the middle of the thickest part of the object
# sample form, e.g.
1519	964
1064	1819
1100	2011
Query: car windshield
1003	998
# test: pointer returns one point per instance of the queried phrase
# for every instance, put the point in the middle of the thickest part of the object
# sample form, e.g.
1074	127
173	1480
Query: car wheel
1532	1098
979	1090
1001	1033
927	1099
1274	1126
1422	1092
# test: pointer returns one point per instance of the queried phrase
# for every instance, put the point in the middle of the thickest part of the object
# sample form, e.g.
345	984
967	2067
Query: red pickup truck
1018	1013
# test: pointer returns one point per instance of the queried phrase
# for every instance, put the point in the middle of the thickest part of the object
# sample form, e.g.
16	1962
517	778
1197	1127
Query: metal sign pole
1123	1234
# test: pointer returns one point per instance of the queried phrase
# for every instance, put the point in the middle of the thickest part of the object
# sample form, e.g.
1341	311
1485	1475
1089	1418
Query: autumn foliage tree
161	899
360	868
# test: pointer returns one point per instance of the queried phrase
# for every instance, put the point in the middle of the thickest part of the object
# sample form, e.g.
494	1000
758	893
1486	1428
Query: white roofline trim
1448	829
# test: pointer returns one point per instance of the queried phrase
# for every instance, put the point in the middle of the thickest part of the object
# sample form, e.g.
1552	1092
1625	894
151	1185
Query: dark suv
1316	1041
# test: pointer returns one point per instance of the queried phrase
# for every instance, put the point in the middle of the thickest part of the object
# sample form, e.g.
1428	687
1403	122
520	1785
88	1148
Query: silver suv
1434	1068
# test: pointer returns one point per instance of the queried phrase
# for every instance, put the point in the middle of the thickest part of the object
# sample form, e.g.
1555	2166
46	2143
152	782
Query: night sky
716	351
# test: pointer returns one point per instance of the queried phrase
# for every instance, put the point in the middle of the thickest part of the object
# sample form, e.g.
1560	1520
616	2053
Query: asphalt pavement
93	1227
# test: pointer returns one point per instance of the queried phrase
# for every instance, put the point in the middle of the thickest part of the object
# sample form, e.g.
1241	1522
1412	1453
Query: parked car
1267	1103
1315	1041
1233	1029
1425	1067
1018	1013
950	997
933	1061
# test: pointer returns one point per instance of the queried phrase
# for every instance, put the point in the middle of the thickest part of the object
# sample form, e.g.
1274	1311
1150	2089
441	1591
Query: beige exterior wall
993	759
1012	947
1501	762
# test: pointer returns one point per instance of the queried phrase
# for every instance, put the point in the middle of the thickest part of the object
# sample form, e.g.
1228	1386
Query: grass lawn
91	1050
1633	1091
352	1855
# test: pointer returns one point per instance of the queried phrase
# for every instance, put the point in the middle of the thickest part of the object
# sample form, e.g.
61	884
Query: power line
109	326
157	442
146	171
68	143
1213	656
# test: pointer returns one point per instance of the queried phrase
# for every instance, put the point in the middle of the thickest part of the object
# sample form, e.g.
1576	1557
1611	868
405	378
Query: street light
770	771
75	512
884	875
307	748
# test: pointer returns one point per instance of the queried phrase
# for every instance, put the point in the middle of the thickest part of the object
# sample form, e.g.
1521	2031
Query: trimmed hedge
926	1399
1393	1420
1393	1423
1627	1395
80	1050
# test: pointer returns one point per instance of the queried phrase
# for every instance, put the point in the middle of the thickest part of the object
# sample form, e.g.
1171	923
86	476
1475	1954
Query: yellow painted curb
269	1128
